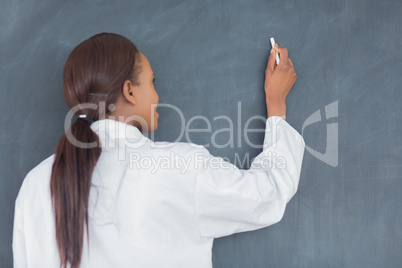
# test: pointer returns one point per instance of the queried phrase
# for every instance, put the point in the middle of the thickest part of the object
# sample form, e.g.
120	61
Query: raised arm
231	200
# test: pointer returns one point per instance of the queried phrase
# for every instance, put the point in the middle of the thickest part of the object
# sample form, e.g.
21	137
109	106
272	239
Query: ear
129	92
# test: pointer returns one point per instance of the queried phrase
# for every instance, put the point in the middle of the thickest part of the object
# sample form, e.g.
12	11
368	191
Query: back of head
96	70
94	73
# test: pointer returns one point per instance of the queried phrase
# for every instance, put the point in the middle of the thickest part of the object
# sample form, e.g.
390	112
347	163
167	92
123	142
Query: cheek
156	97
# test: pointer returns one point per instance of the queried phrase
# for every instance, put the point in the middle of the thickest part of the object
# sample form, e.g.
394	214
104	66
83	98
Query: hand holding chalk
278	81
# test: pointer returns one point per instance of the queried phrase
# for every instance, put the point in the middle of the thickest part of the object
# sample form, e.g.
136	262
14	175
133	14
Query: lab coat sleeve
18	244
231	200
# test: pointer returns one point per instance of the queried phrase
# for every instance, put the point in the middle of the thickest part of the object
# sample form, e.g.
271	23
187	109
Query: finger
291	63
284	54
271	60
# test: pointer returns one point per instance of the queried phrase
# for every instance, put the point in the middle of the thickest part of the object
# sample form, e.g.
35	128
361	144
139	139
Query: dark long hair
95	71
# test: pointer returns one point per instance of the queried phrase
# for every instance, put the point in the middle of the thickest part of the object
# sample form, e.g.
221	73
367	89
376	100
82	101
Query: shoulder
40	174
42	168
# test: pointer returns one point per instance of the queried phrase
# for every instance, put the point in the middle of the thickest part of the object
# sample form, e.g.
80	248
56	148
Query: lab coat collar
115	129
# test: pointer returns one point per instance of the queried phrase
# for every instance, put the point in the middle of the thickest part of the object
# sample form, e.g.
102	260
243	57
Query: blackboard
209	59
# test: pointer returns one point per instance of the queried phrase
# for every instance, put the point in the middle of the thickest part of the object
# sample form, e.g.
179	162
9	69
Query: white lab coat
162	214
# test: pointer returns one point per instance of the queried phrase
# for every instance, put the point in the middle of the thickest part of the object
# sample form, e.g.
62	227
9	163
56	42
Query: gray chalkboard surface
209	59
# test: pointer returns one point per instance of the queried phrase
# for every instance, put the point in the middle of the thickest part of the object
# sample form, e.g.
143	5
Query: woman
93	203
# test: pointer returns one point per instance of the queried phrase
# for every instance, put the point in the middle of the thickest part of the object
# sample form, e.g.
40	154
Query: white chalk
277	55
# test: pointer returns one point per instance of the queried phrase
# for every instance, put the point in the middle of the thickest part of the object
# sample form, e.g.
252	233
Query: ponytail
70	186
97	67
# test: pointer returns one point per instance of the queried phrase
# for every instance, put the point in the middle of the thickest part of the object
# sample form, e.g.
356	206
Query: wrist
281	116
276	109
